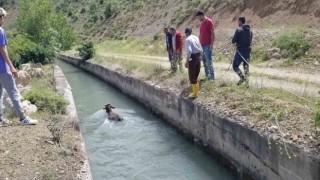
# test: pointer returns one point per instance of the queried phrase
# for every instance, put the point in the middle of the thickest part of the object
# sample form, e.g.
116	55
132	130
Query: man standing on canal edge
169	45
7	72
207	37
177	43
242	39
193	61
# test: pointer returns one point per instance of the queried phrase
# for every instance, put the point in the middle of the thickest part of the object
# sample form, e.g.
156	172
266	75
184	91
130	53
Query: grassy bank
258	107
294	47
147	46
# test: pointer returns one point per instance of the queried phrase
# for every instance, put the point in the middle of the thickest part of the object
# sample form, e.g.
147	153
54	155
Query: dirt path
295	82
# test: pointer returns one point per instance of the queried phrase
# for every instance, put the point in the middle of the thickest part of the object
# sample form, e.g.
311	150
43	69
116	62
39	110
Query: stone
23	89
28	107
36	72
276	56
294	138
25	67
274	53
23	78
316	63
37	65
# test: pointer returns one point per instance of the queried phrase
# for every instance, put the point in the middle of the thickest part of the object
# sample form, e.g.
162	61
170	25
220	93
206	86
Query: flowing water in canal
142	147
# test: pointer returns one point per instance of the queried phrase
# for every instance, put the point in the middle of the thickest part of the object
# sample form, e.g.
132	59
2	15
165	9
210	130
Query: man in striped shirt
193	62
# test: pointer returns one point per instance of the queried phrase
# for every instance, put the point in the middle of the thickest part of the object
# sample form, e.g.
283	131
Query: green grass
293	44
43	94
132	45
260	106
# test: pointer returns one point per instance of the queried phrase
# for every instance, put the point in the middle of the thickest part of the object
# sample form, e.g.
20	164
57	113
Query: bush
86	51
47	100
293	44
23	50
259	53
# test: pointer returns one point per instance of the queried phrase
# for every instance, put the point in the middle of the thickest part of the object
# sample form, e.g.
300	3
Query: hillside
115	18
119	18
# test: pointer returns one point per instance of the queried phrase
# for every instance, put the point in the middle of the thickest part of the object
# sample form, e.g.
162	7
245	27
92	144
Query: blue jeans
207	62
7	82
238	60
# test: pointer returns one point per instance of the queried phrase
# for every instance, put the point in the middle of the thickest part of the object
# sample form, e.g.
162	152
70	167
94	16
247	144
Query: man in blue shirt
7	74
169	45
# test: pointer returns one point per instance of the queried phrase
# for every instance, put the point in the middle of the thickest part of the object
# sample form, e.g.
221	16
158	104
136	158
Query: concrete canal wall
63	88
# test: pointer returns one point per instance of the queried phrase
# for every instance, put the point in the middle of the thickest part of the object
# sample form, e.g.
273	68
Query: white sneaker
28	121
5	122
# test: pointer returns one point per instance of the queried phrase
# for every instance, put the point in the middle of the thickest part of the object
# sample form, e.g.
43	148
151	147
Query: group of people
201	49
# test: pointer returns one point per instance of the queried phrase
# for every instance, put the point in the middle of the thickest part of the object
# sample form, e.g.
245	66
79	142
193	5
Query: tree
38	20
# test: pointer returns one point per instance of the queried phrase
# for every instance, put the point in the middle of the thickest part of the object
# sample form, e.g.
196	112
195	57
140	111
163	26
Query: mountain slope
120	18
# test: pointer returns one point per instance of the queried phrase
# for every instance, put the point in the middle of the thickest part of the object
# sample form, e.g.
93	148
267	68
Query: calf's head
108	108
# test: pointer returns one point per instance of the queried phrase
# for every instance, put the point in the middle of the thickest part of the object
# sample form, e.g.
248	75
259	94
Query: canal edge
62	87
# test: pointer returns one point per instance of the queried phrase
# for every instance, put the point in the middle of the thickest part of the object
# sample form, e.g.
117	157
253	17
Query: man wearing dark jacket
168	44
242	39
177	44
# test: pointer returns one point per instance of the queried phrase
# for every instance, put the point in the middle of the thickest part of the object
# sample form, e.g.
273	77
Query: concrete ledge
240	148
63	88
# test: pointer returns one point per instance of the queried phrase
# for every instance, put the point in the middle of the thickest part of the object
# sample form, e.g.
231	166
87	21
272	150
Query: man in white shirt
193	62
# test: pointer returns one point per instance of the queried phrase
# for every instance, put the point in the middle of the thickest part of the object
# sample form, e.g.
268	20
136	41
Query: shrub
47	100
259	53
83	10
23	50
86	51
293	44
111	9
156	37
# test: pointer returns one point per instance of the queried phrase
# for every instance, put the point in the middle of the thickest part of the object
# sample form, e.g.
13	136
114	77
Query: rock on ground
28	107
36	72
23	78
23	89
25	67
274	53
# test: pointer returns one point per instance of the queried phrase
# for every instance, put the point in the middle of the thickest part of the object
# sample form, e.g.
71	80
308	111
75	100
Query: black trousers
194	68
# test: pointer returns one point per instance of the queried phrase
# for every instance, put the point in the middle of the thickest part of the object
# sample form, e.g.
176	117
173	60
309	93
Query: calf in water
112	115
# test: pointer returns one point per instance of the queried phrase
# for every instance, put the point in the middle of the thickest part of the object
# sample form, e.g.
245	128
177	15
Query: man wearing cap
193	61
168	44
207	37
242	39
177	43
7	74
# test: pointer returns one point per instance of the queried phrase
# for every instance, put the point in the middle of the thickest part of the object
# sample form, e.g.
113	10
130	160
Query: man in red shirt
207	37
176	49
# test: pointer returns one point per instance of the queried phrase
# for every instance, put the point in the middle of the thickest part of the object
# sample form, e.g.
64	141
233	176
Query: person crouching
193	61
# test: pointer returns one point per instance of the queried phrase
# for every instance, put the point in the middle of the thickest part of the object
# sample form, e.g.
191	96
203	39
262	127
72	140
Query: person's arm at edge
235	38
5	56
180	40
213	35
188	50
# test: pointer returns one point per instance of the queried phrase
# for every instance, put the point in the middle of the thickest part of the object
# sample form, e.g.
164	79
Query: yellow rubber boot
194	93
198	89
